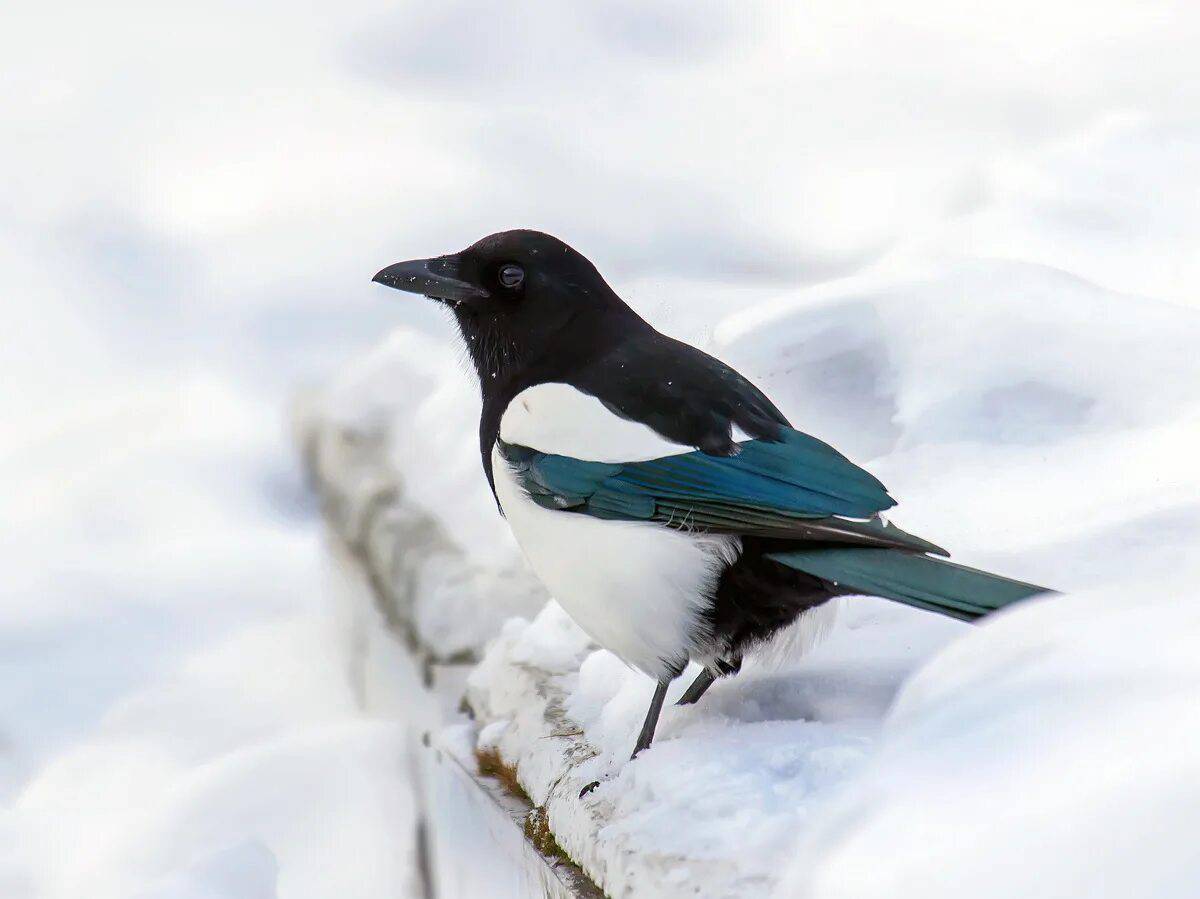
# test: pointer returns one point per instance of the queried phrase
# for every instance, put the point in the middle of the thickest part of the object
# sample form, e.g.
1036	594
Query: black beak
436	278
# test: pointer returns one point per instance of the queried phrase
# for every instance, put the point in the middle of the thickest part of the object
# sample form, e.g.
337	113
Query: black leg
705	679
656	703
731	665
692	694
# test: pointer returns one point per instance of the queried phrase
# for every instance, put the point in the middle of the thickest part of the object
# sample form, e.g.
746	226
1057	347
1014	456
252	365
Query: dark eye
511	275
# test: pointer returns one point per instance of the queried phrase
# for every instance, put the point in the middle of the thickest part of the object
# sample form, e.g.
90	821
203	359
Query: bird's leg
656	704
705	679
646	737
692	694
732	665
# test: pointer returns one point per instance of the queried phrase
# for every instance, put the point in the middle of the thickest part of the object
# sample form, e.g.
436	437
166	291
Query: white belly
639	589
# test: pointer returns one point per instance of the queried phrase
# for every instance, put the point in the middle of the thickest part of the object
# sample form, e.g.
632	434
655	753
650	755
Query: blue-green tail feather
913	579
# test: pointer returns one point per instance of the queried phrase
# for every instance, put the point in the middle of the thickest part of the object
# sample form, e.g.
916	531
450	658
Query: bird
664	501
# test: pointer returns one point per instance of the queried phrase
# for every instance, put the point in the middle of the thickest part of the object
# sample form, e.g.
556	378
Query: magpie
665	502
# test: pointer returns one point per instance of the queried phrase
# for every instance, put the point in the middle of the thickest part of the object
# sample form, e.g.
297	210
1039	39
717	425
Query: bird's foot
644	741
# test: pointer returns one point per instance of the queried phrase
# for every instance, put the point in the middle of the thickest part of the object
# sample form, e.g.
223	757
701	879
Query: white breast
637	588
557	418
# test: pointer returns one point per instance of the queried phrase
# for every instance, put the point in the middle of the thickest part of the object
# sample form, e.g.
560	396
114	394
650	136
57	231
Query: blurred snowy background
197	195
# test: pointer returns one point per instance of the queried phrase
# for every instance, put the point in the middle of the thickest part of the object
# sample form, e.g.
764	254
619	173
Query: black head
518	297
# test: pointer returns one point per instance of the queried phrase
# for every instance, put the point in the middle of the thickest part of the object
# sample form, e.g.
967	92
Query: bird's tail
911	578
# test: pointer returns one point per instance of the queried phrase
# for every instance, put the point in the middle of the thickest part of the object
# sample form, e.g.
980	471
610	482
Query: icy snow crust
1031	421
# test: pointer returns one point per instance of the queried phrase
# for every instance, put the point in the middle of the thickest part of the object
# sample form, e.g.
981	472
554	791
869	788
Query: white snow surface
996	210
716	803
178	721
1050	753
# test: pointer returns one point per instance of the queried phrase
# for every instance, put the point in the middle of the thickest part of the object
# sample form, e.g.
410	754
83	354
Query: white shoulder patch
558	419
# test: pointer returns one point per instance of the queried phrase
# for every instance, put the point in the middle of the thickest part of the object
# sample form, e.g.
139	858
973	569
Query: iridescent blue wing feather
797	488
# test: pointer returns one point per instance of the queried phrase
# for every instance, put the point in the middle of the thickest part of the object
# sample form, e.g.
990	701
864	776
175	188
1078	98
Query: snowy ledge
713	808
523	690
433	595
395	558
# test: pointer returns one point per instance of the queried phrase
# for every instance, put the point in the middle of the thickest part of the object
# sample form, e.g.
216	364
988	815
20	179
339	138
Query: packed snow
715	804
1050	753
959	243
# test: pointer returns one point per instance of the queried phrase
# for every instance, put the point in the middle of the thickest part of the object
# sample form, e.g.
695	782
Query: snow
449	568
716	802
1047	754
437	399
994	215
1108	204
177	718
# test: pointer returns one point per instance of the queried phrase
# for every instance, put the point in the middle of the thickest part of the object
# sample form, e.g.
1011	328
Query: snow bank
1111	203
179	722
385	451
1051	753
1012	408
186	241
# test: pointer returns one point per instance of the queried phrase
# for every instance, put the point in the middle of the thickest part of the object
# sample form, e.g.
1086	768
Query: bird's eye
511	275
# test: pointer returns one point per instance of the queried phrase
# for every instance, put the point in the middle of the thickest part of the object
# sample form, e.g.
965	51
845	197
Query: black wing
682	393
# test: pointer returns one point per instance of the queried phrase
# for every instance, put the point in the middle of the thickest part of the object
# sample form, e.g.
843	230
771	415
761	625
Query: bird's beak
436	278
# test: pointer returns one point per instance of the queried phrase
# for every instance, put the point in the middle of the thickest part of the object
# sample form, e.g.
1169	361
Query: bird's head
516	295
